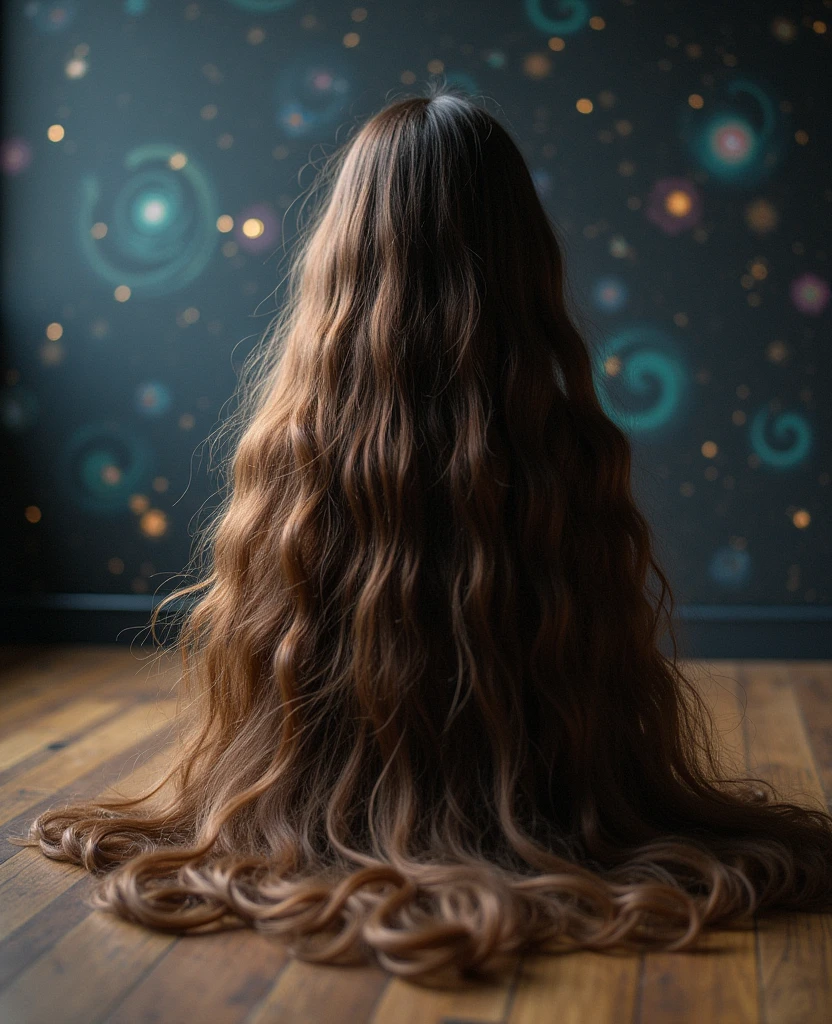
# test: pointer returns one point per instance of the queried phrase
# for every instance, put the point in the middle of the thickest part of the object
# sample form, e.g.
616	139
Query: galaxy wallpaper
153	157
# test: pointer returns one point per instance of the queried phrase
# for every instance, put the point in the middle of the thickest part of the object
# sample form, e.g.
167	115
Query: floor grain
78	722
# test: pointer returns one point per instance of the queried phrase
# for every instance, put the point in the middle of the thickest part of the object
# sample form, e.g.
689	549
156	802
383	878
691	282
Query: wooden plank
812	685
85	975
409	1003
795	955
715	982
215	977
718	979
778	747
29	881
153	751
320	992
576	987
24	946
40	694
794	950
53	728
73	761
52	665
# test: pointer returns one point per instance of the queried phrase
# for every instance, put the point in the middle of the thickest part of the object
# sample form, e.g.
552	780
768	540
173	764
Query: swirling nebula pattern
641	379
311	92
102	464
558	17
155	162
161	223
737	139
788	427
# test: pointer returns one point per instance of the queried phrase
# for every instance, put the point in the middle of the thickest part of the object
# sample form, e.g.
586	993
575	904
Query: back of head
432	722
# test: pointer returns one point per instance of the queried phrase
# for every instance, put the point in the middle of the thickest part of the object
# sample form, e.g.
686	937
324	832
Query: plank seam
151	967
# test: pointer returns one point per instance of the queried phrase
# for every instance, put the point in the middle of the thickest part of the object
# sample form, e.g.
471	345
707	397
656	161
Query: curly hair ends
428	721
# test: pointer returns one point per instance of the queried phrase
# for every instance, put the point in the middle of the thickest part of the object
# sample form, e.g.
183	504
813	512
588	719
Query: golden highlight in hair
426	720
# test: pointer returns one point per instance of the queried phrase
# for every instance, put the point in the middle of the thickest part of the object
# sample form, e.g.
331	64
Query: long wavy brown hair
427	716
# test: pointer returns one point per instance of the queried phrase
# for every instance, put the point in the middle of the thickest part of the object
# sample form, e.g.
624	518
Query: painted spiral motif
569	16
641	379
733	143
161	224
102	464
311	92
787	426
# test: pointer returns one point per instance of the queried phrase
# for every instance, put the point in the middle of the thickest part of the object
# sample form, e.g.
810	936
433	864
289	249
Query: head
430	708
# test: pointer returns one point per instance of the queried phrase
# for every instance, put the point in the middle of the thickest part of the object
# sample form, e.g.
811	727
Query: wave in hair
426	715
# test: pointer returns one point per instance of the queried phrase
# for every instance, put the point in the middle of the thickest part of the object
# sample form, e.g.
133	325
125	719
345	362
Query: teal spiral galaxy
788	426
646	392
161	223
101	465
731	146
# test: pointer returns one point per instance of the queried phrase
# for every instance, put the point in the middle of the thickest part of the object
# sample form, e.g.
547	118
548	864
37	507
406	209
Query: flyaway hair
426	720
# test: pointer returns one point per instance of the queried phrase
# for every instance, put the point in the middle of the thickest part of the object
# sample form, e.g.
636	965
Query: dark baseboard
703	631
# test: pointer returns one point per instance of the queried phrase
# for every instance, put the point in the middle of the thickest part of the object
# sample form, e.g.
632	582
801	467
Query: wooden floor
75	720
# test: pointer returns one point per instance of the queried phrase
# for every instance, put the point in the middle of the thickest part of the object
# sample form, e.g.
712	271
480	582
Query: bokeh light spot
75	68
253	227
154	523
138	503
678	203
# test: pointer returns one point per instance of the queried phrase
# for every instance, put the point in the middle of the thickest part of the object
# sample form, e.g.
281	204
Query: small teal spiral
787	426
102	464
652	371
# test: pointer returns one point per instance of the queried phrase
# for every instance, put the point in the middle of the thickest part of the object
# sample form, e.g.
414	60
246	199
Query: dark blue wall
678	146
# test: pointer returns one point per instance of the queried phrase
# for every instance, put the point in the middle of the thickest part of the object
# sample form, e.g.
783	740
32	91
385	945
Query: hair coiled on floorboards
426	718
